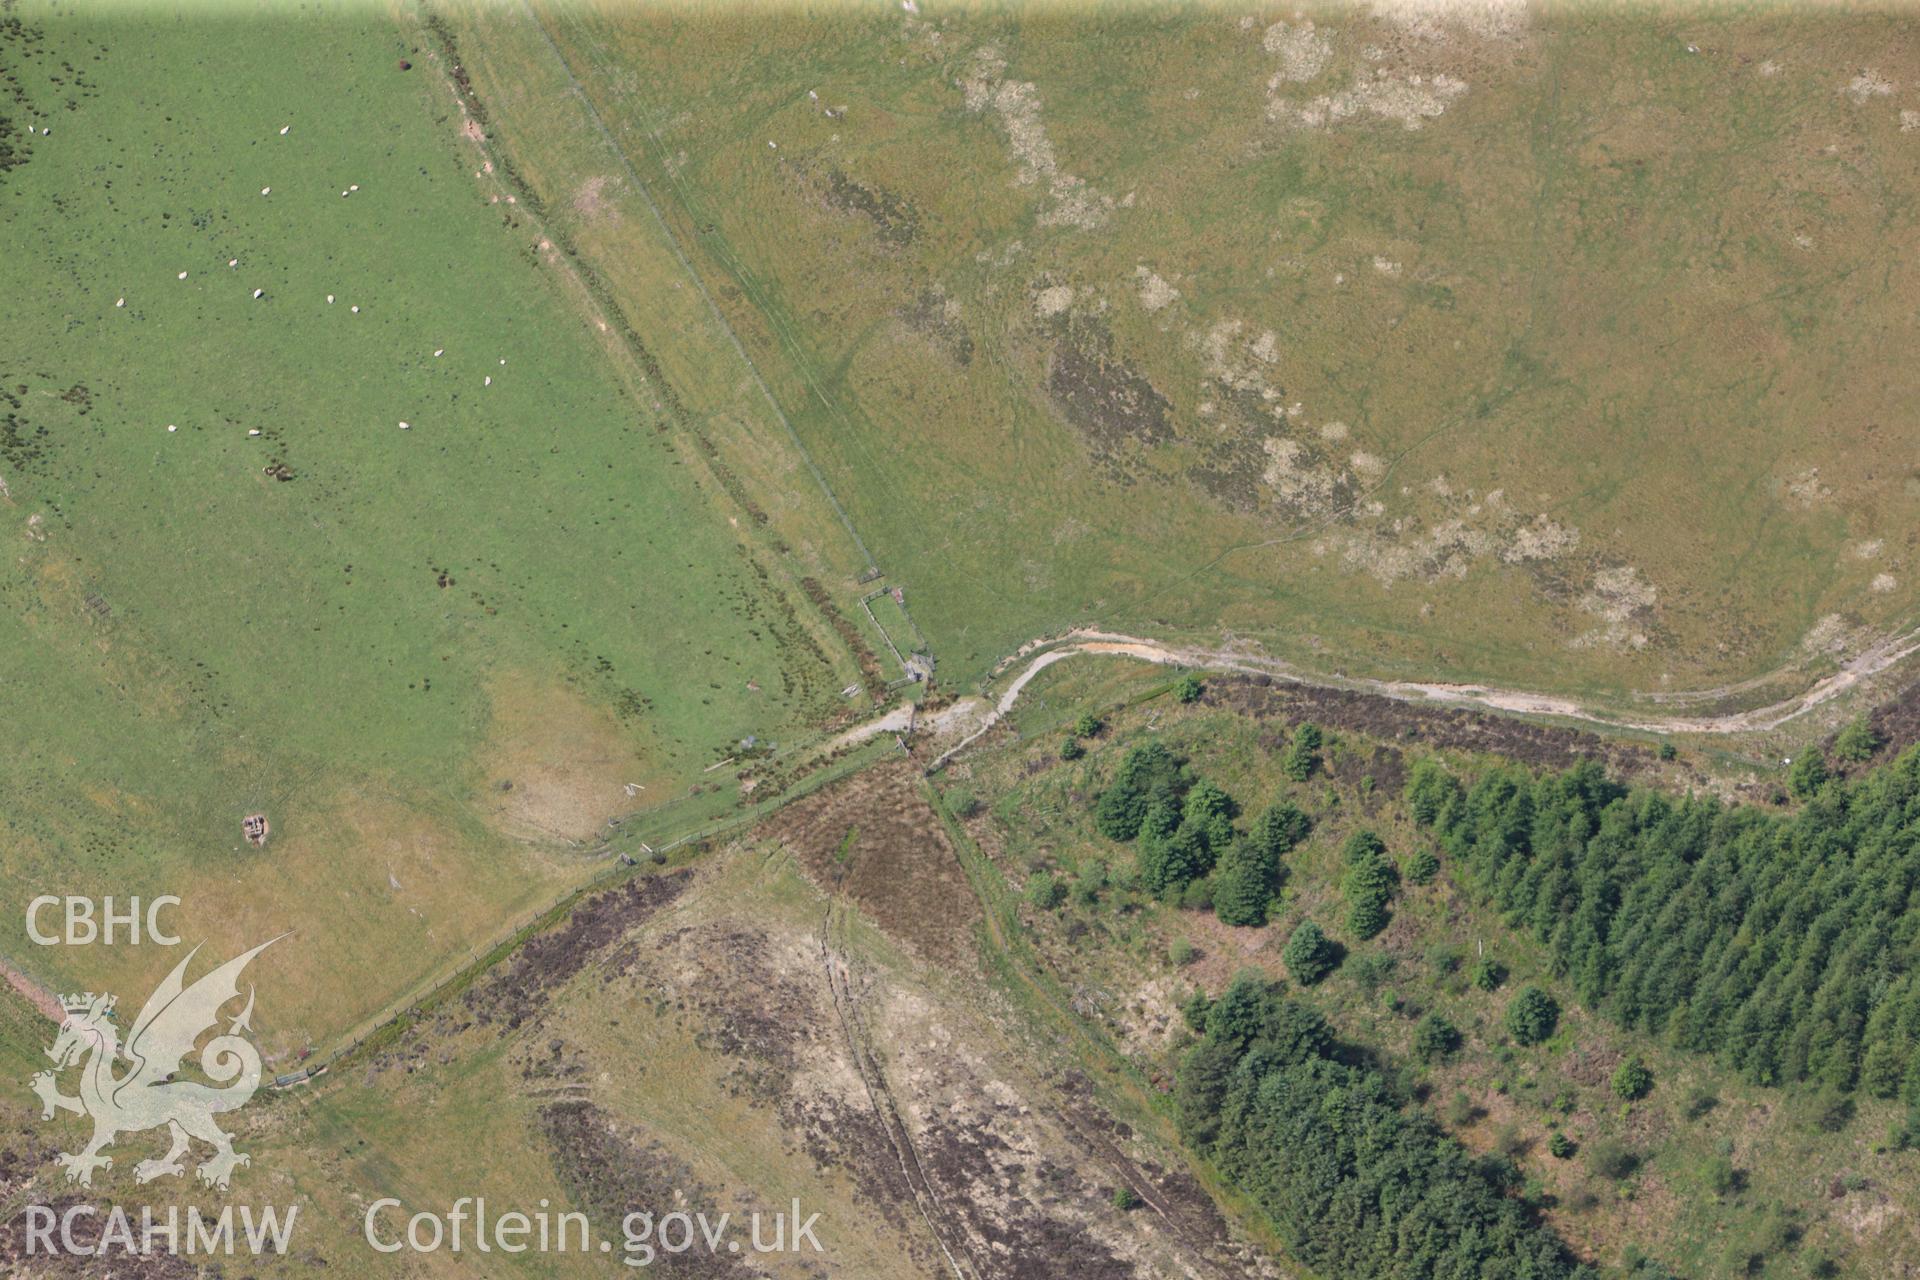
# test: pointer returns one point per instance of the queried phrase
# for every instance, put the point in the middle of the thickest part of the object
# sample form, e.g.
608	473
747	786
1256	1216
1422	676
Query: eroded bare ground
875	841
802	1015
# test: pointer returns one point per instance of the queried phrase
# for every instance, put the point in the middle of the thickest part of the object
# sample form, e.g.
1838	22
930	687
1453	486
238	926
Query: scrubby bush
1161	819
1168	866
1090	884
1512	1142
1612	1160
1071	749
1832	1111
1198	895
1303	754
1280	828
1182	826
1717	1175
1149	775
1367	884
1244	885
1366	918
1241	1011
1045	891
1188	688
1434	1038
1250	871
1531	1015
1194	1009
1857	742
1429	790
1636	1266
1698	1103
1309	954
1362	846
1087	726
1631	1080
1807	774
1372	968
1118	813
1208	807
1905	1135
1488	974
1422	867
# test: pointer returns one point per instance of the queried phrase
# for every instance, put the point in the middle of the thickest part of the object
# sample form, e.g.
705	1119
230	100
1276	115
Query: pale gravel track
974	716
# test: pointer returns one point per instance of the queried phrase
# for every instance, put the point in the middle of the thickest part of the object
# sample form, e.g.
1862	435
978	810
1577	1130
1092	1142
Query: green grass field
902	636
433	657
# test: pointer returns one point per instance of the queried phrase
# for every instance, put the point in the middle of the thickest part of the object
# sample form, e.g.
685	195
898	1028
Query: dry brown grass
555	765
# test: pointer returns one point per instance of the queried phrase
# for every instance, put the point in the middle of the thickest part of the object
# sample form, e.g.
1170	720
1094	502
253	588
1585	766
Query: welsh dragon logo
147	1096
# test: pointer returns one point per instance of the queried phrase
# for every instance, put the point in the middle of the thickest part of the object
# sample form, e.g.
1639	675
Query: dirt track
974	716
